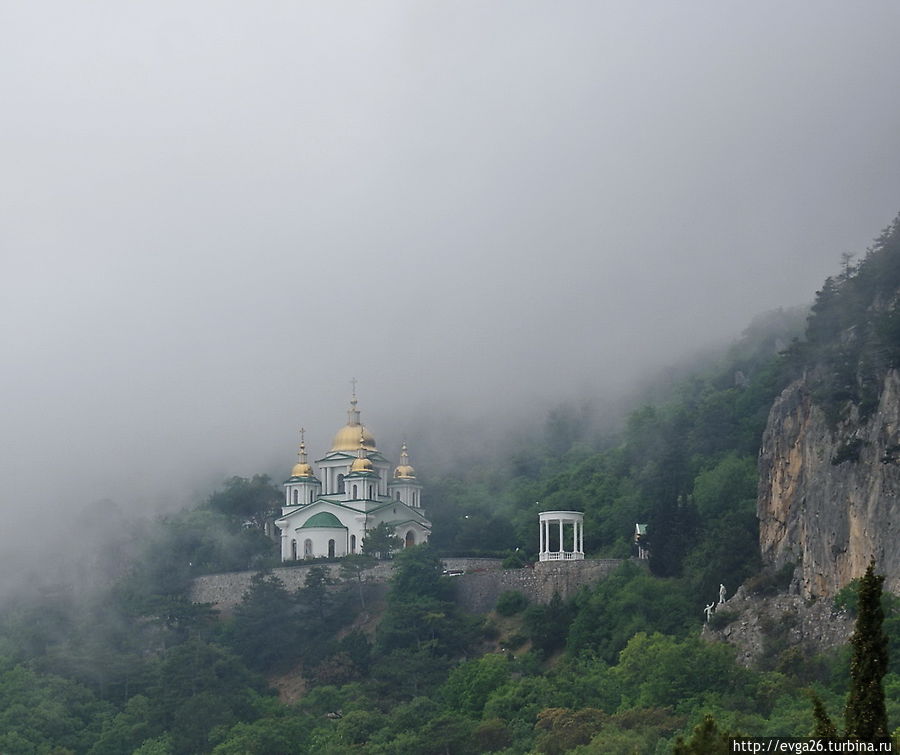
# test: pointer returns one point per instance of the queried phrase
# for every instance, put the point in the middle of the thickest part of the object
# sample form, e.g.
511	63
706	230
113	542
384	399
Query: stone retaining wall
472	564
476	590
226	590
478	593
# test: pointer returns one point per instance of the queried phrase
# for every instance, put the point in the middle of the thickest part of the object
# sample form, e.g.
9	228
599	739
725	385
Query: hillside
320	667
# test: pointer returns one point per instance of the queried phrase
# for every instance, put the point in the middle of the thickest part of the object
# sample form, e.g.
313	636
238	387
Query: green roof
399	522
336	455
356	475
394	502
301	479
323	519
332	455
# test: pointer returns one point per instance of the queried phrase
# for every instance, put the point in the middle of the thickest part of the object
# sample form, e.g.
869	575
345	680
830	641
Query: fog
215	214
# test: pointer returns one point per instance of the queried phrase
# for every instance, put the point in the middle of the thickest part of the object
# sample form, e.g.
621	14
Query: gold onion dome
404	470
348	437
302	467
361	465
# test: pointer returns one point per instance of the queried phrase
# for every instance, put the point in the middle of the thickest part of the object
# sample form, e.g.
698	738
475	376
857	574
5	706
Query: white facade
562	535
328	515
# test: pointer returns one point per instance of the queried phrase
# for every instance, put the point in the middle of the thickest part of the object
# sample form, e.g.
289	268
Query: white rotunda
559	529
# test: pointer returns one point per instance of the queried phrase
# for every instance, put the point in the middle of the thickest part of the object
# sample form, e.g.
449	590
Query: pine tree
865	717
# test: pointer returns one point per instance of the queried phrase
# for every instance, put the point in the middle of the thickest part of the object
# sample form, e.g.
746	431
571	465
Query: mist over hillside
218	217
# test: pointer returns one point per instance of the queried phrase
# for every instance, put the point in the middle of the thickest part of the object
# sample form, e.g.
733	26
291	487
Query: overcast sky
214	214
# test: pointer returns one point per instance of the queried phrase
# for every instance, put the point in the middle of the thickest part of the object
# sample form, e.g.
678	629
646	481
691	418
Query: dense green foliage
254	500
629	602
381	541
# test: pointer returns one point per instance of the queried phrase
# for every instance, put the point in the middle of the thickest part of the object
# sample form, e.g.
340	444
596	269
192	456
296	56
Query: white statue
721	593
709	611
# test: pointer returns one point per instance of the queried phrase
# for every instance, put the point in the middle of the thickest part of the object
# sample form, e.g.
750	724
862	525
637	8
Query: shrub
721	619
770	583
515	641
511	602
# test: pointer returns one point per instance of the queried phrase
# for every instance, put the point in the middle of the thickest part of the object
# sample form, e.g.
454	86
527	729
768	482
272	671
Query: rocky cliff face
767	631
828	499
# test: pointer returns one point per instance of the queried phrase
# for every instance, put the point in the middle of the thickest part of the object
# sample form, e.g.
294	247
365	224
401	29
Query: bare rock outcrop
763	628
828	497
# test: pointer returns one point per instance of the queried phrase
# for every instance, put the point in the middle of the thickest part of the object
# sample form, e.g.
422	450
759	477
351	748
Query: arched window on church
370	492
397	494
296	496
312	496
340	483
307	548
354	492
353	543
331	549
293	550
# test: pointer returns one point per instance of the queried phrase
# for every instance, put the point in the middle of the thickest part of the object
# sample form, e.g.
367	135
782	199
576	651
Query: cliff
828	494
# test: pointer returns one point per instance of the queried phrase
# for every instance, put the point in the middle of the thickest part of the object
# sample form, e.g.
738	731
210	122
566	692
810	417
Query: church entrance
331	549
410	539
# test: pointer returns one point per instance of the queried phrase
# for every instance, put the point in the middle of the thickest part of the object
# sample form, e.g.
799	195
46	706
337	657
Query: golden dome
404	471
302	469
362	464
348	437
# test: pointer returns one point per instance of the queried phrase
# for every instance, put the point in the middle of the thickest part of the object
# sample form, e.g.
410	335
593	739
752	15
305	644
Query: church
329	515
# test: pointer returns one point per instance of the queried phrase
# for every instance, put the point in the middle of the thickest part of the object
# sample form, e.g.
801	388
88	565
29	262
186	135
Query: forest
132	666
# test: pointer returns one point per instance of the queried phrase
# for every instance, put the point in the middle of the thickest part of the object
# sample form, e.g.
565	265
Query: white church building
328	515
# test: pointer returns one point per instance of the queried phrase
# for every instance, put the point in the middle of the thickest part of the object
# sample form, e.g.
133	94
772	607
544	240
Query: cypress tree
865	716
825	728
